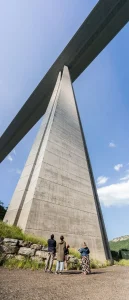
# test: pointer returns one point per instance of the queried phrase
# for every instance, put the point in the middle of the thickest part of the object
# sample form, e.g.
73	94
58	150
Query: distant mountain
121	238
119	243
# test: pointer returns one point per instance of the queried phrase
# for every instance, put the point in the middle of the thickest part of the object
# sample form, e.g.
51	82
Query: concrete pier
56	191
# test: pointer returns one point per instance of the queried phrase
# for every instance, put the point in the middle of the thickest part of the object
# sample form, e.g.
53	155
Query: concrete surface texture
106	284
55	191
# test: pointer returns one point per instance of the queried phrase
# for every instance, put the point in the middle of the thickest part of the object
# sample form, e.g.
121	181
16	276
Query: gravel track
106	284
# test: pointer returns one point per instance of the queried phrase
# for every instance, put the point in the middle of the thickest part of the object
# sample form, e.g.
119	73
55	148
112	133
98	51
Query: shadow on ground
74	272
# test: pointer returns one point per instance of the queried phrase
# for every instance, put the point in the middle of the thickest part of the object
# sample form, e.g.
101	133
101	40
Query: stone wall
23	249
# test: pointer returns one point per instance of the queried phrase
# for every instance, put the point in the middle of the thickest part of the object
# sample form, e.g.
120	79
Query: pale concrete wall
24	191
28	201
56	185
63	200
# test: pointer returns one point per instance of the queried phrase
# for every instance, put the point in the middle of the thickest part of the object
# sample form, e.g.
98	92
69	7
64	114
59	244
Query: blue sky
33	33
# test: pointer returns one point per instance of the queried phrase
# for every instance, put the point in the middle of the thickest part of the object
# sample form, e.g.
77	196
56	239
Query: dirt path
107	284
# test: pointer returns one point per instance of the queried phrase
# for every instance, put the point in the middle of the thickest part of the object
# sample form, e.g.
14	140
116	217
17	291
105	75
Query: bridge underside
99	28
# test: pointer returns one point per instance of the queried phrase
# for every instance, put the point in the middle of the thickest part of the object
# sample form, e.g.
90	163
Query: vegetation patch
75	253
120	250
28	263
122	262
14	232
117	246
72	266
3	210
24	263
95	264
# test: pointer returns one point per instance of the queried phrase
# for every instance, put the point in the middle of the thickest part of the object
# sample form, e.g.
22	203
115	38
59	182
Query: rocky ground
111	283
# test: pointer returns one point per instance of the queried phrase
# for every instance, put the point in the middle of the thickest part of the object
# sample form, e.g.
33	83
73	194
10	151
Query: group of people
61	250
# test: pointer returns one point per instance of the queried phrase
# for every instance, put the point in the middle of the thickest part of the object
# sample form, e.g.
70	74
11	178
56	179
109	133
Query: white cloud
9	157
125	178
118	167
112	145
14	151
115	194
101	180
18	171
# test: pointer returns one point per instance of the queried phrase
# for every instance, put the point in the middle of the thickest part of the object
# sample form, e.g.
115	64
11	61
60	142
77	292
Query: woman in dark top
85	259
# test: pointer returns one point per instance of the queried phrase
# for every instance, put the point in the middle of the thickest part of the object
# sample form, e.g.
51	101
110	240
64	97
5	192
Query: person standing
60	250
85	259
51	253
66	256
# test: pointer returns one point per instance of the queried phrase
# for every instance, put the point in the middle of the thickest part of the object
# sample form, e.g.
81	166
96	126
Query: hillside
121	238
119	243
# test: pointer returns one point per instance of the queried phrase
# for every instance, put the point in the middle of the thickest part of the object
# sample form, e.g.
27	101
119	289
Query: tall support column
23	186
60	194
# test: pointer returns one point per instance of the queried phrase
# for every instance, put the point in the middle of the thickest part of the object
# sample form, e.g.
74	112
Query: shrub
122	262
72	266
115	255
75	253
95	264
24	263
2	210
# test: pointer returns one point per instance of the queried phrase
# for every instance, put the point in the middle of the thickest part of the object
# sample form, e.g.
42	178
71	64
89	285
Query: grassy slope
16	233
116	246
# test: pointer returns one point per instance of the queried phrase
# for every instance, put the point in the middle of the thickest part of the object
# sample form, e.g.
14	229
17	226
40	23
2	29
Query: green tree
2	210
